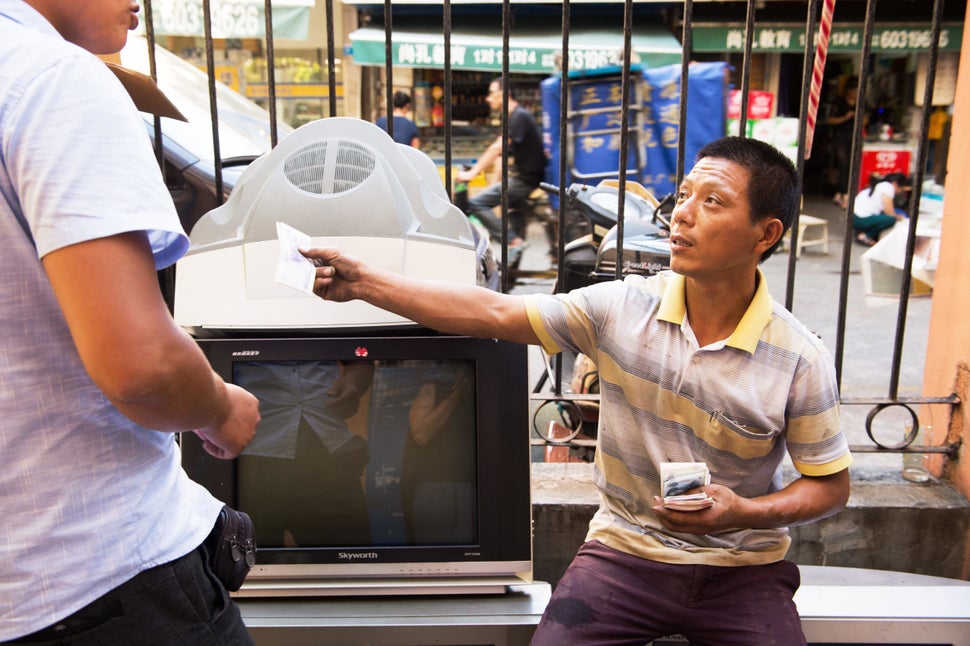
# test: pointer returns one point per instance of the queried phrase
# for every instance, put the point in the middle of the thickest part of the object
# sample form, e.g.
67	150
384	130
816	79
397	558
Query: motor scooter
591	255
567	424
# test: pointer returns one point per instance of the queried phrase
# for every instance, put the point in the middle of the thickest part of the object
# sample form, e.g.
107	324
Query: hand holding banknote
293	269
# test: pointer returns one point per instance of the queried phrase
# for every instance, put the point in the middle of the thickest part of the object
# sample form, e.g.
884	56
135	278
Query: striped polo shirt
738	405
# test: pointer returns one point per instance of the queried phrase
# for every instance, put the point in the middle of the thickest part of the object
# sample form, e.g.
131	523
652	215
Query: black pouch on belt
231	547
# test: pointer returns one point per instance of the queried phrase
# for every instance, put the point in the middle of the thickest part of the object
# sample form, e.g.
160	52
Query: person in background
842	121
405	130
102	533
874	209
525	147
697	364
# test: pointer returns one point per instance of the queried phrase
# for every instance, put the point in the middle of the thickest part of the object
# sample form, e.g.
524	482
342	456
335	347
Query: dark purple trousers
608	597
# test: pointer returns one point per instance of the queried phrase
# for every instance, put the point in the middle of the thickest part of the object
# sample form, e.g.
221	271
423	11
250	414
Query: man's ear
772	232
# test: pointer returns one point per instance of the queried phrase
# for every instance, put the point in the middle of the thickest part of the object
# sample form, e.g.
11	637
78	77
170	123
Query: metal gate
817	22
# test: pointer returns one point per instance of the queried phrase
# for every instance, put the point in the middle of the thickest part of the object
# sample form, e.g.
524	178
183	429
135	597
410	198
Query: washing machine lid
343	182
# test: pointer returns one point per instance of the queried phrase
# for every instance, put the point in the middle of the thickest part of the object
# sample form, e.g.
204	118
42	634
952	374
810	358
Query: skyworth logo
357	556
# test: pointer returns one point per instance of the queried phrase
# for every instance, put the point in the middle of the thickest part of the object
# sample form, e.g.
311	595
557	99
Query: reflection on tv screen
361	453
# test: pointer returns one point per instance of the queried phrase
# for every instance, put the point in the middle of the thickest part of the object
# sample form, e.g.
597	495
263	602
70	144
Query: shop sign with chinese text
527	53
846	38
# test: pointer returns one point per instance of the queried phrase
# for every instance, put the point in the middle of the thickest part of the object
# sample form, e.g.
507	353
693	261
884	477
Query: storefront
476	58
894	95
239	39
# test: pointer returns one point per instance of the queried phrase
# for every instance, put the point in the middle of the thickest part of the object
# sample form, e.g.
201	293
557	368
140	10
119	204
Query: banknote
677	478
294	269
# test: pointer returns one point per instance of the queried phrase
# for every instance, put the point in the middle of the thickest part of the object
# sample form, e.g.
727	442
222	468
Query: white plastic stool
812	231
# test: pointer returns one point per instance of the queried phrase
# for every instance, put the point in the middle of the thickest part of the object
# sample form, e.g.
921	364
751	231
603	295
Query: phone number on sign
229	19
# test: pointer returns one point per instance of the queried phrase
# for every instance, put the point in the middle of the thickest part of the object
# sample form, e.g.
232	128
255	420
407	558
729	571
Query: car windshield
243	126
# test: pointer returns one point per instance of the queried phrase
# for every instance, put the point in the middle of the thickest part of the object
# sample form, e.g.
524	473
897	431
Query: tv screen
381	463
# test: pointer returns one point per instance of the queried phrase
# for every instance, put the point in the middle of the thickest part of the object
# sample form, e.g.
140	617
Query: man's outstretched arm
439	305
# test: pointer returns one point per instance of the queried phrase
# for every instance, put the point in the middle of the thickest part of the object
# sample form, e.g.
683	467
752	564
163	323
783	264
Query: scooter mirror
557	421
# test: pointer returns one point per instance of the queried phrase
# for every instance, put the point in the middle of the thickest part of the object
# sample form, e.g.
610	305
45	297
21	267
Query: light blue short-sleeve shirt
87	498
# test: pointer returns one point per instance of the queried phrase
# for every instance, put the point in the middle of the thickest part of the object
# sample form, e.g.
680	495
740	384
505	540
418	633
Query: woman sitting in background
875	210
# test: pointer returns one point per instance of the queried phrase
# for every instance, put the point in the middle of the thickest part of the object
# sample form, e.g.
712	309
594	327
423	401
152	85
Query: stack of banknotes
677	478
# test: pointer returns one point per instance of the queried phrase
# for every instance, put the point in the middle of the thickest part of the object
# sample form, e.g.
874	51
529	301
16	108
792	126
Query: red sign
760	104
882	161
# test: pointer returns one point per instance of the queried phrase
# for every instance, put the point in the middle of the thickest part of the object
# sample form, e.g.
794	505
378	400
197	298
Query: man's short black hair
774	190
401	99
501	85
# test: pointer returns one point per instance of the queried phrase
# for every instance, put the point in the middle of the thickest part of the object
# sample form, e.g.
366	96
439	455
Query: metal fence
815	30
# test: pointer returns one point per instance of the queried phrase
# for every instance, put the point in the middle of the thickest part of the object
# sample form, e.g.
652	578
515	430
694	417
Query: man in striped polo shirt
698	364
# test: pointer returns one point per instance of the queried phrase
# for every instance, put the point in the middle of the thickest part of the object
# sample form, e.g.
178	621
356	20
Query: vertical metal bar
331	61
506	26
446	23
686	47
150	37
624	134
271	73
563	148
855	161
563	165
388	68
210	67
746	67
808	64
153	72
914	200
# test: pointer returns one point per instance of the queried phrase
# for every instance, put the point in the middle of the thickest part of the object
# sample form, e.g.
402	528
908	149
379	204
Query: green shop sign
528	52
843	38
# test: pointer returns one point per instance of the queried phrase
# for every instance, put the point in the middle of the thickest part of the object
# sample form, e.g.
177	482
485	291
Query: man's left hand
723	514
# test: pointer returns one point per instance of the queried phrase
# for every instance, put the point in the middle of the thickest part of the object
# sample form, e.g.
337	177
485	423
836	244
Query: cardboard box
145	93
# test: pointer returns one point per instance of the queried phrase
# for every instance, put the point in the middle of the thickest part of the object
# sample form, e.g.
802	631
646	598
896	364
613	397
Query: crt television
381	465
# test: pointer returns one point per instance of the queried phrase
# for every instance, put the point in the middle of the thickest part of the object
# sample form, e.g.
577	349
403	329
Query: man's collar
673	308
673	304
28	16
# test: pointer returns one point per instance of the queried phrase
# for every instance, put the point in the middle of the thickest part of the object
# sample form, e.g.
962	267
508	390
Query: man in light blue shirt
101	532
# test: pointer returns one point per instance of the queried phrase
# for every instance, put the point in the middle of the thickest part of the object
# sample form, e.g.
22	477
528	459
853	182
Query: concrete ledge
844	606
888	524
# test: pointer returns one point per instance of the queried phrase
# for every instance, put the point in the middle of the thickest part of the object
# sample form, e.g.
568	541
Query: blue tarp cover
595	149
